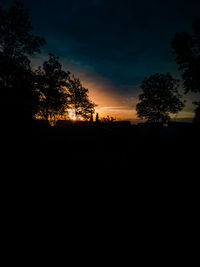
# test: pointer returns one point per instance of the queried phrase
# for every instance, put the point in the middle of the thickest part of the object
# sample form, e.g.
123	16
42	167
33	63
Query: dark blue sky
112	45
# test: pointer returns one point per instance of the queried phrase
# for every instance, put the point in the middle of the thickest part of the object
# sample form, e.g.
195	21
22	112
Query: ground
88	144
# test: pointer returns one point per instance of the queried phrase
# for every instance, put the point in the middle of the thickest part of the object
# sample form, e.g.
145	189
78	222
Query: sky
113	45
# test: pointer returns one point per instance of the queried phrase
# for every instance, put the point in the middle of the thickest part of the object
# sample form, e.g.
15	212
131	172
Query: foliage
79	100
51	84
187	49
160	97
16	78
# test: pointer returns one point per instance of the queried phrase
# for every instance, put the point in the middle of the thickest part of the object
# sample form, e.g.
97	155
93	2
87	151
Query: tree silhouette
79	100
160	97
51	84
19	101
187	49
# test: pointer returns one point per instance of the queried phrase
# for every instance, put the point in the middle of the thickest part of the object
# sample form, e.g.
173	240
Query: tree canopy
16	77
160	97
51	84
79	100
187	49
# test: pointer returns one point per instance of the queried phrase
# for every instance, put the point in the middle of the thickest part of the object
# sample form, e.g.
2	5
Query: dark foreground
86	165
82	176
83	146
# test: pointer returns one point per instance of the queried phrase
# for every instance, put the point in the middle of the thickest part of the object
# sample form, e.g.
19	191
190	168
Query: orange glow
120	105
71	114
110	101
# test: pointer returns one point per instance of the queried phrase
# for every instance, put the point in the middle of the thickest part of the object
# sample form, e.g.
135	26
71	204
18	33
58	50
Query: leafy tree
187	49
79	100
51	84
160	97
16	78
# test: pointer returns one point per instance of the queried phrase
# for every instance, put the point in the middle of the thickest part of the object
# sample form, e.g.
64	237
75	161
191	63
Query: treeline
48	92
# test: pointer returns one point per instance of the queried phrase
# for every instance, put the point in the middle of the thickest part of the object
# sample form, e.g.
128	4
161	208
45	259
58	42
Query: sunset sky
113	45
